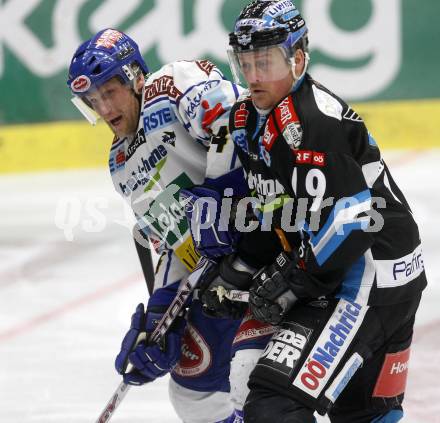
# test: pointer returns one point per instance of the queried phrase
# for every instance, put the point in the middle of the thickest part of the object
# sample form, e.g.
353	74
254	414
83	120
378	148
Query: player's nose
104	108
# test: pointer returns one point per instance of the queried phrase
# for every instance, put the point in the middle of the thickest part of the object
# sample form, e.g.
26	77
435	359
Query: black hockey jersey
315	171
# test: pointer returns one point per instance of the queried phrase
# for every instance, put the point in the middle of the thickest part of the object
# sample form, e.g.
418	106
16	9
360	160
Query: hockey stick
185	289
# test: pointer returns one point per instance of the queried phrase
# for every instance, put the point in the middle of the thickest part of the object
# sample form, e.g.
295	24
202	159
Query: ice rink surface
70	279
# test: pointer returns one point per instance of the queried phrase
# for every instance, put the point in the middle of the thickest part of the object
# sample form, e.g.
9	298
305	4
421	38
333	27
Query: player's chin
118	129
261	100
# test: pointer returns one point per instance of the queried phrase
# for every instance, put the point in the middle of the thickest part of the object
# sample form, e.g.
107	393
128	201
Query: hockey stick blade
186	287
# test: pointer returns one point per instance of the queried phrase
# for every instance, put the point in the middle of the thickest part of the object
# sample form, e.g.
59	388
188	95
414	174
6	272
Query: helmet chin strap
297	79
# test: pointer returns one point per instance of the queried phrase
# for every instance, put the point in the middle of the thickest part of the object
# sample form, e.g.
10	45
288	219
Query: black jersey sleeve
333	202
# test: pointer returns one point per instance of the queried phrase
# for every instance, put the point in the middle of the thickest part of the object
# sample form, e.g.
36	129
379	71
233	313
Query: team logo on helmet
109	38
81	84
244	39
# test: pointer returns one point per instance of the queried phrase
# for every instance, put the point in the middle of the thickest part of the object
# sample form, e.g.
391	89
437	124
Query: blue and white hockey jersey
181	140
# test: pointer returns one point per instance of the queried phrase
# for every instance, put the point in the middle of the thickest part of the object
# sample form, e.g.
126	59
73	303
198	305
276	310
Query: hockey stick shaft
114	402
186	287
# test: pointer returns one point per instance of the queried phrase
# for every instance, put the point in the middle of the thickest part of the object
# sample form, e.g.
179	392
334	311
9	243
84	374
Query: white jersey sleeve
203	108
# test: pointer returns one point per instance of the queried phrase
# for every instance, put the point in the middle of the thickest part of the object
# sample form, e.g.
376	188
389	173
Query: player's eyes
262	65
246	67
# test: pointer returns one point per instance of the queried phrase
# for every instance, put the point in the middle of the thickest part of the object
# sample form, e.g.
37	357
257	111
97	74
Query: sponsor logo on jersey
161	86
108	38
81	84
211	115
285	113
392	273
169	137
138	140
270	134
120	158
156	160
293	135
265	188
309	157
330	348
408	268
193	97
205	65
252	329
288	122
393	375
285	347
117	158
158	119
196	355
240	116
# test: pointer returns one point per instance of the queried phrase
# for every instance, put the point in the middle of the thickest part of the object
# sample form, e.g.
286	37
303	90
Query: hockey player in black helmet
347	281
271	48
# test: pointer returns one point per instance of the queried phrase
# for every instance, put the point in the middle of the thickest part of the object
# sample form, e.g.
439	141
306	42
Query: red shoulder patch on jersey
161	86
270	134
211	114
285	113
240	116
205	65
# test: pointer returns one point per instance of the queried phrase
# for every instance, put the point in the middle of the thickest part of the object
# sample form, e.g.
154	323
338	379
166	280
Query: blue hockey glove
212	234
272	293
150	361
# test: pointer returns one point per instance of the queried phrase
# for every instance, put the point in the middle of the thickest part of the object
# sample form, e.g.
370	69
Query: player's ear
138	85
299	57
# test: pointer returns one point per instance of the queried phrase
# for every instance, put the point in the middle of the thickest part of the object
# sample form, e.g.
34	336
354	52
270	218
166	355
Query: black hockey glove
230	274
272	293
